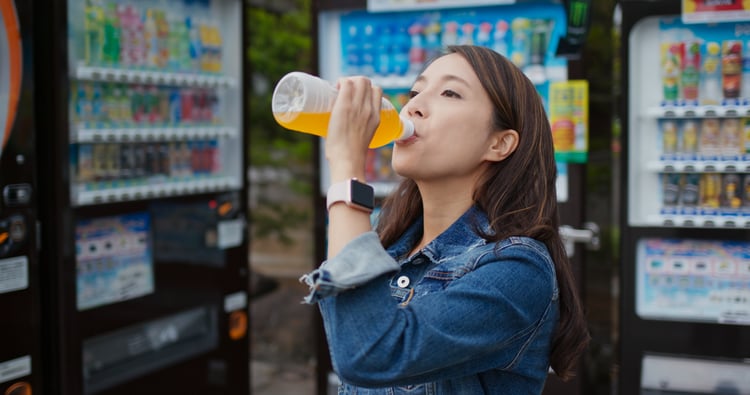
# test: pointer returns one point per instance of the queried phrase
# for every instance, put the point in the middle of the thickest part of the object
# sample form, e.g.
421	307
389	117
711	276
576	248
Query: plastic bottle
93	25
151	39
484	36
111	36
745	91
367	59
710	89
432	40
384	64
353	51
303	102
500	45
417	52
690	76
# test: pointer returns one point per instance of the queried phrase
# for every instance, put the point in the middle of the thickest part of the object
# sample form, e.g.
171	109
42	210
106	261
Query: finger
361	88
377	96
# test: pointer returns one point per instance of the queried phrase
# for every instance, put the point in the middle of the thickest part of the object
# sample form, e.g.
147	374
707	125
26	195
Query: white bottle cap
408	129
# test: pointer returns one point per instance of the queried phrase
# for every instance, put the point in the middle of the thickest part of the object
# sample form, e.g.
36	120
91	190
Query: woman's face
452	117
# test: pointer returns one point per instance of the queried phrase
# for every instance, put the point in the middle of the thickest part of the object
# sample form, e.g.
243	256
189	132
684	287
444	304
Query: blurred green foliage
279	42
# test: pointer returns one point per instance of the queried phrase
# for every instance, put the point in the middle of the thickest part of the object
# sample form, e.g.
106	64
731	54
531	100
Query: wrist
343	169
352	192
343	173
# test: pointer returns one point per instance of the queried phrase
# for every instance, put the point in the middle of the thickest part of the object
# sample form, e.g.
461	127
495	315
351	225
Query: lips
409	139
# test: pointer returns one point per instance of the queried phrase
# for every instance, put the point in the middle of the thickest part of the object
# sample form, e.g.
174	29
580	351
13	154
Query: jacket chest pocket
403	283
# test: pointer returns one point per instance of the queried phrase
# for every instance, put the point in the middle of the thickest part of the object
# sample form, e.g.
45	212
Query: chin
403	171
405	164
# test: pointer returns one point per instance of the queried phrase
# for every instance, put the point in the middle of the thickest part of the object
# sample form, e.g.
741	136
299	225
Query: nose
413	108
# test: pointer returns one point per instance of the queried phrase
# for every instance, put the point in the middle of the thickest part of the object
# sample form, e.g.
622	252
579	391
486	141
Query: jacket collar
460	235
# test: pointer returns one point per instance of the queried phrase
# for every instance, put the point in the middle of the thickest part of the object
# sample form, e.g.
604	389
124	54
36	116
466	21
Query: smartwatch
355	194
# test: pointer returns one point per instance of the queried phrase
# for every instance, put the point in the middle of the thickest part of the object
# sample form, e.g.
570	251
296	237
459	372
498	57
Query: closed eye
450	93
446	93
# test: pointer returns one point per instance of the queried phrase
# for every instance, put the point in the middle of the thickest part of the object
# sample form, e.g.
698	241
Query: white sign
14	274
404	5
15	368
230	233
235	301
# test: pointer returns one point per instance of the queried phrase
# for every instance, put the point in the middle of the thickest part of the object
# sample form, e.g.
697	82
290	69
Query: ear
502	144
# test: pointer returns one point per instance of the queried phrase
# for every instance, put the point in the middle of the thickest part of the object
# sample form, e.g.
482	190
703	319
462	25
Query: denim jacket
460	317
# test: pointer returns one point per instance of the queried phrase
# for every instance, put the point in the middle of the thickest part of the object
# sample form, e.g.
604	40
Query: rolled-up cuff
360	261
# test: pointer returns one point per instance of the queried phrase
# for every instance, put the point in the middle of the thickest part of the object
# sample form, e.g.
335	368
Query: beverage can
690	190
689	138
709	141
746	191
731	188
731	138
671	189
669	136
710	189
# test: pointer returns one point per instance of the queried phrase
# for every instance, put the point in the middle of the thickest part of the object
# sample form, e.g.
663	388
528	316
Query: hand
354	118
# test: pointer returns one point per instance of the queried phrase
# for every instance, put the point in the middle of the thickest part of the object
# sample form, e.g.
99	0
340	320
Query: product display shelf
85	194
700	221
155	77
83	134
697	166
151	186
708	111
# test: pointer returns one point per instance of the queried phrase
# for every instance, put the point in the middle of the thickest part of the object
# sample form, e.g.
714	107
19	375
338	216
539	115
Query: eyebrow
448	77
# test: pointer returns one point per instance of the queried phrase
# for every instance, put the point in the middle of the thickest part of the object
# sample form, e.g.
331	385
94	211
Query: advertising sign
707	11
568	113
694	280
113	260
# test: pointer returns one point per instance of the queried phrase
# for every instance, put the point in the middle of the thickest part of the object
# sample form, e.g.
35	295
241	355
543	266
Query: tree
279	42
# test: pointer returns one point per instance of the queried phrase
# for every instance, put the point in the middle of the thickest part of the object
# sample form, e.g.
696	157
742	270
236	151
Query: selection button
17	195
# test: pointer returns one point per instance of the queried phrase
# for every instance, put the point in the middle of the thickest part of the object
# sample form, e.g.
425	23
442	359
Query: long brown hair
518	194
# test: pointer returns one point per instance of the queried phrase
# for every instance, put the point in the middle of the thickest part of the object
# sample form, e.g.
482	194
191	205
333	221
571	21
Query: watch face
362	194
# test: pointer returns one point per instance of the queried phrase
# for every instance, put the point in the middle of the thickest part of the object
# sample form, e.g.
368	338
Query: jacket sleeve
361	260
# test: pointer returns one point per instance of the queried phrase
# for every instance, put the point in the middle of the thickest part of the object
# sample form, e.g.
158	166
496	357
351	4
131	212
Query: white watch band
337	192
354	193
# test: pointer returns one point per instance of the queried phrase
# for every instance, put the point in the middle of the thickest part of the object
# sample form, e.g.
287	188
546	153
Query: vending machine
142	196
391	42
685	244
20	351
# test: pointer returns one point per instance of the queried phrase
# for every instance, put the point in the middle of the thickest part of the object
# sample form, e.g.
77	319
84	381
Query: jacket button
403	282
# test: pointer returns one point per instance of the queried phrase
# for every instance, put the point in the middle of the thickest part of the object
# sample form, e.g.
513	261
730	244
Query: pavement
282	379
282	349
283	341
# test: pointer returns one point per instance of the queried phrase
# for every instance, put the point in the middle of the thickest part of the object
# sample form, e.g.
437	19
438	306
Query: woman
465	287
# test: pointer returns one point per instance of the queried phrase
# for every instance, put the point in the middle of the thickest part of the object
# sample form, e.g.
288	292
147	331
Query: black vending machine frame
20	332
189	295
639	337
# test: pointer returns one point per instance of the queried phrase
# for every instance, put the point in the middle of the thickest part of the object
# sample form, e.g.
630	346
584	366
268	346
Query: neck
442	206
